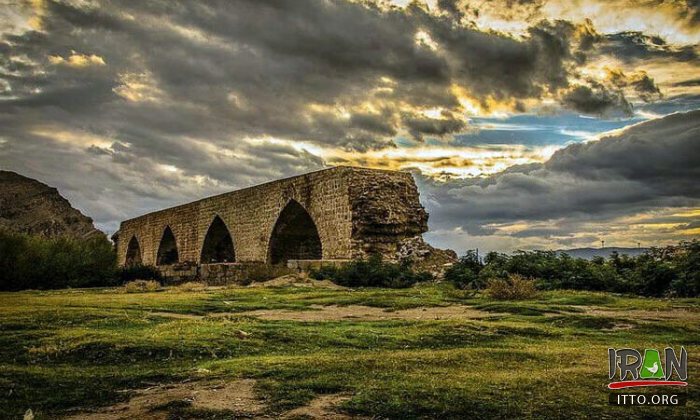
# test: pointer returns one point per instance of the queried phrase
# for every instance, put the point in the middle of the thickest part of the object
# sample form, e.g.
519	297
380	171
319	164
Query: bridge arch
133	253
218	244
294	236
167	249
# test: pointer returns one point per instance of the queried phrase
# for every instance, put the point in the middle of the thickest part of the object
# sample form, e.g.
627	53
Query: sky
527	124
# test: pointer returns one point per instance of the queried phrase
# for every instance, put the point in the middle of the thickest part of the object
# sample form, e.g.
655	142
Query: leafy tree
465	274
32	262
668	271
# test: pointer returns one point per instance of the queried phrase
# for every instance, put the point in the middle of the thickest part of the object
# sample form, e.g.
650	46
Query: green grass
62	350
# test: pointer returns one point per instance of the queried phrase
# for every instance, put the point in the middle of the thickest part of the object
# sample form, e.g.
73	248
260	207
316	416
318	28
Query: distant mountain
590	253
29	206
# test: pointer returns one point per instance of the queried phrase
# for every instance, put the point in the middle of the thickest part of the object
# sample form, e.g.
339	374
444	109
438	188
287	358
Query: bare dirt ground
294	280
368	313
236	396
320	408
346	313
319	313
150	403
640	314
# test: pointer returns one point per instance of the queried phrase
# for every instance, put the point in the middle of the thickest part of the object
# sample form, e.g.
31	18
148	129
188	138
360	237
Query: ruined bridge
338	213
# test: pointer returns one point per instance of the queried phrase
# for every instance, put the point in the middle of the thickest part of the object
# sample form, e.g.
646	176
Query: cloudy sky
527	124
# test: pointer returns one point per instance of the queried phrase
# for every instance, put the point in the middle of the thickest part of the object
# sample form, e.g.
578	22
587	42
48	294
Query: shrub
138	272
33	262
141	286
515	287
373	272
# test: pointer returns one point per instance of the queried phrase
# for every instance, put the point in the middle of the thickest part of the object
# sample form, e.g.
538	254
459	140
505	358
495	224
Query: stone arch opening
167	250
218	244
294	236
133	252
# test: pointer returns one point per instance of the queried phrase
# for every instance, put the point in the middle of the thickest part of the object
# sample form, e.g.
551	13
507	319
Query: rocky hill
29	206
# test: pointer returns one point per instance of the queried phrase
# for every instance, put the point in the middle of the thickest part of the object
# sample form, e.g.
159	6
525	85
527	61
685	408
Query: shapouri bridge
338	213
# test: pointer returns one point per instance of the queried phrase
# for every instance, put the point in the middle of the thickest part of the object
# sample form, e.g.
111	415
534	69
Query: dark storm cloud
655	164
418	125
496	65
159	102
596	99
629	46
251	68
688	83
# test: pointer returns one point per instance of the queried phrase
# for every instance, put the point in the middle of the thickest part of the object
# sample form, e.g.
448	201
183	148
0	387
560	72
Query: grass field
430	351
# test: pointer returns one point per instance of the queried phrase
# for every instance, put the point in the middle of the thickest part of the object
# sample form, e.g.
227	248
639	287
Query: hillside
29	206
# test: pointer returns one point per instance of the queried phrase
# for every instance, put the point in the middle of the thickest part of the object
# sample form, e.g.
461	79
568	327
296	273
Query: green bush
373	272
32	262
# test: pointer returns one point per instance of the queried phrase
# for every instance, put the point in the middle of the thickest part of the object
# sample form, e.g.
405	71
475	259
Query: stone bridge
338	213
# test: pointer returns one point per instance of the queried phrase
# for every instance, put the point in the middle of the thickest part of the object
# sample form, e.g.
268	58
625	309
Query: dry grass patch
515	287
190	286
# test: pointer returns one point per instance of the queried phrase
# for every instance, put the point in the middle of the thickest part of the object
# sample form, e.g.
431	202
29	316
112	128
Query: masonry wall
355	210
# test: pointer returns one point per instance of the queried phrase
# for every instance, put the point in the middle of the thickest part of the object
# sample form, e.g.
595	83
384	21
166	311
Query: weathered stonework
339	213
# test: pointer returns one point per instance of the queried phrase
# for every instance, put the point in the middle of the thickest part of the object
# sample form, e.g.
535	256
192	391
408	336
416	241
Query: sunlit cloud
138	87
38	11
77	60
443	162
648	16
673	20
71	137
424	38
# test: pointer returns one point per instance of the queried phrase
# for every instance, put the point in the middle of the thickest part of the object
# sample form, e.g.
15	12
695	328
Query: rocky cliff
29	206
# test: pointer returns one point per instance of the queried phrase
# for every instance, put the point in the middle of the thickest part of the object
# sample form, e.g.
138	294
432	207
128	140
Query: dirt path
152	403
322	407
234	396
642	314
295	280
368	313
347	313
317	313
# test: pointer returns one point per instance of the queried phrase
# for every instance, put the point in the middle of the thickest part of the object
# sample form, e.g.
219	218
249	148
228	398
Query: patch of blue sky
402	141
539	130
533	130
679	103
